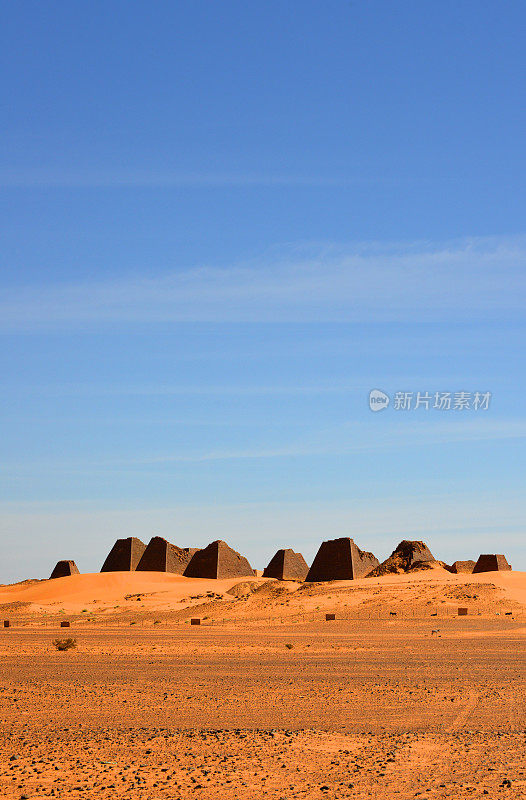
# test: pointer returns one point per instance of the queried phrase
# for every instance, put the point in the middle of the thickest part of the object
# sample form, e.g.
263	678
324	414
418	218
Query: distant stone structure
218	560
491	562
63	569
124	555
340	560
286	565
163	556
408	555
466	567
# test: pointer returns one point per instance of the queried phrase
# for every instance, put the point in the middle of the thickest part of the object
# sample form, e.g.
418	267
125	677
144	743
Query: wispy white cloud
354	438
342	440
420	281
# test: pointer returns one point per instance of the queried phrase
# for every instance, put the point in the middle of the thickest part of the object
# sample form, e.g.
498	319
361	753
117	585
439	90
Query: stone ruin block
64	624
7	623
163	556
413	552
462	611
340	560
406	556
218	560
491	562
124	555
63	569
465	567
286	565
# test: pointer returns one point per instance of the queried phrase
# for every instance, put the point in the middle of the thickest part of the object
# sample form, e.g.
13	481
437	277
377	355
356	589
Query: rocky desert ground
397	697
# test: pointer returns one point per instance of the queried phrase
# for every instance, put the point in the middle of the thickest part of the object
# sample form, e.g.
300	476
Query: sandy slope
108	587
118	592
512	584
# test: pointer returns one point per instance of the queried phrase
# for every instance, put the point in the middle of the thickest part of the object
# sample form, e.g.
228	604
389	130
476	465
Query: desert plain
397	697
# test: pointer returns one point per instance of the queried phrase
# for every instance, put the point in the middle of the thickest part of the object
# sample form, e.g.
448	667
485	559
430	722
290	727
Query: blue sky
221	226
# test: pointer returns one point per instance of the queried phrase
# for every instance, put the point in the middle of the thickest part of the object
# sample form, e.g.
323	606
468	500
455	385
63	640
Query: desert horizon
262	407
367	688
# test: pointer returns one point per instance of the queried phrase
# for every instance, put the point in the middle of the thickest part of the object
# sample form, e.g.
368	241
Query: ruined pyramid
462	566
341	559
218	560
407	556
163	556
63	569
491	562
286	565
124	555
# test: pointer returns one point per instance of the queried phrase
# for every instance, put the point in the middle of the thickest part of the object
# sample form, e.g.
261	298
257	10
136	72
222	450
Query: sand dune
159	590
109	587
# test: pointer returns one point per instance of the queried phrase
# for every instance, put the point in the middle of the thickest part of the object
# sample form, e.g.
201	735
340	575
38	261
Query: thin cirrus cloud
476	278
323	443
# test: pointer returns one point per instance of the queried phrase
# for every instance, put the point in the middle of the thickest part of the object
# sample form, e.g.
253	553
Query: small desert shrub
65	644
289	646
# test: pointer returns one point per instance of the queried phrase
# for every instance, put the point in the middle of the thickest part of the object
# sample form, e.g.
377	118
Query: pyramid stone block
124	555
218	560
466	567
163	556
341	560
491	562
286	565
63	569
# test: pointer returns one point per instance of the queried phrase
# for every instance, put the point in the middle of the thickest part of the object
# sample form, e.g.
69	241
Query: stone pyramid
491	562
341	559
124	555
63	569
163	556
407	556
463	566
286	565
218	560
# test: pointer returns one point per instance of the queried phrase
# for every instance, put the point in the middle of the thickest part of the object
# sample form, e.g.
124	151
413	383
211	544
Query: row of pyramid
336	559
217	560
